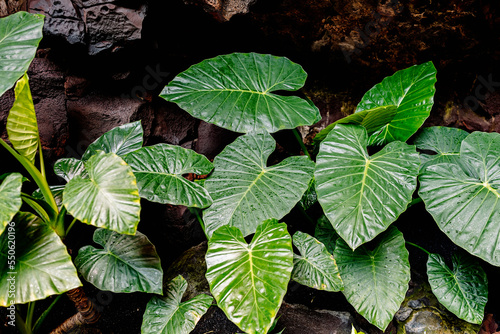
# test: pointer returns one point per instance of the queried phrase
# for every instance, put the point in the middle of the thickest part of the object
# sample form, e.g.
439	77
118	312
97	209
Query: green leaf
126	263
371	119
245	191
360	194
375	281
167	315
463	290
249	281
159	171
10	198
20	34
22	127
68	168
443	141
309	198
235	92
464	197
412	91
315	267
120	140
108	197
42	265
325	233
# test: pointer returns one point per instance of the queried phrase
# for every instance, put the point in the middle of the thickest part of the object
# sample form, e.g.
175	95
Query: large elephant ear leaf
22	127
249	281
315	267
107	196
246	191
120	140
235	92
43	266
10	198
126	263
443	141
463	290
375	280
167	315
159	170
68	168
464	197
20	34
412	91
360	194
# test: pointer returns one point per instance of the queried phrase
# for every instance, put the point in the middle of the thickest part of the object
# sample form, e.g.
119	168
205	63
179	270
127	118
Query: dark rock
171	124
212	139
75	87
215	321
223	10
298	319
99	24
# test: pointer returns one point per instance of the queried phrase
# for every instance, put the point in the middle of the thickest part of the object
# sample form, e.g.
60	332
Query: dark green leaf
315	267
325	233
10	198
375	281
126	263
159	171
246	191
167	315
235	92
463	290
67	168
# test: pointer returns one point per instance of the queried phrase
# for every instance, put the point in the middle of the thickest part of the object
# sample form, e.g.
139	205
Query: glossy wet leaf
20	34
246	191
463	290
22	127
159	170
375	280
235	92
249	281
464	197
10	198
67	168
360	194
42	267
412	91
325	233
126	263
371	119
315	267
443	141
167	315
108	197
309	198
120	140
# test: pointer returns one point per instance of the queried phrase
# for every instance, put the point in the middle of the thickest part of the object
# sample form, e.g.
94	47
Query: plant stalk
87	312
301	143
417	246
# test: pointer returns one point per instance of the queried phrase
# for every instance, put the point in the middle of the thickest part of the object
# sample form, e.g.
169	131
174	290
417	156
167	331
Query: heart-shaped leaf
249	281
22	127
371	119
120	140
20	34
10	198
67	168
42	265
235	92
159	171
463	290
361	194
412	91
245	191
375	280
126	263
167	315
464	197
315	267
444	141
108	197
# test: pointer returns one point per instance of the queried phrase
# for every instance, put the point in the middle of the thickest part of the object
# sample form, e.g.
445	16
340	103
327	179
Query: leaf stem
417	246
414	201
40	153
70	226
197	214
29	315
20	324
301	143
42	317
